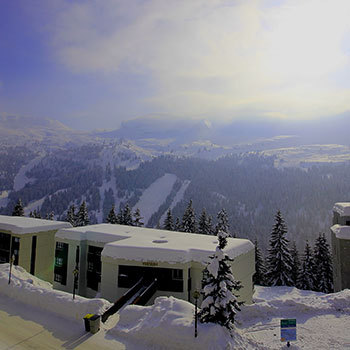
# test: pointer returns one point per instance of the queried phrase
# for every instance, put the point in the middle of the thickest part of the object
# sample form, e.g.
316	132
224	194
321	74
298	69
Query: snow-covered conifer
295	265
169	221
306	272
177	226
259	276
71	215
137	218
82	218
204	224
188	223
18	209
127	216
220	304
222	224
279	259
323	271
112	217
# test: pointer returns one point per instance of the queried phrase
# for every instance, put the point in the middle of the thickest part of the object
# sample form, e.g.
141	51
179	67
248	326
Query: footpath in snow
323	320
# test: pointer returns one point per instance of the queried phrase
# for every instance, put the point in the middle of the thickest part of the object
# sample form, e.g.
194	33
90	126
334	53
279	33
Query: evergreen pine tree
50	216
18	209
279	260
295	265
188	223
222	224
306	271
71	216
120	217
177	226
219	304
127	216
204	224
323	271
36	214
112	218
169	221
82	216
137	218
259	276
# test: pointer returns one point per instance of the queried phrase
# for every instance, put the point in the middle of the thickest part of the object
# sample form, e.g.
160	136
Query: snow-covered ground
47	316
21	179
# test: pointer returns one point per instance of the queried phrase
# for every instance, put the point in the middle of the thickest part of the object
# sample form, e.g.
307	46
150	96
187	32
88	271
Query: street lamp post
75	274
196	296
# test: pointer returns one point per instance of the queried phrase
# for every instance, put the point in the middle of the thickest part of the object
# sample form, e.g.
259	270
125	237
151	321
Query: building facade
340	238
110	259
30	243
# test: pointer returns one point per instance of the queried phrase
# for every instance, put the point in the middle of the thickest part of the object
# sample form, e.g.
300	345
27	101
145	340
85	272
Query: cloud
215	58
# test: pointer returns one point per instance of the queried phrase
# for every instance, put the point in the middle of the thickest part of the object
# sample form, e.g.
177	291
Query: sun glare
305	41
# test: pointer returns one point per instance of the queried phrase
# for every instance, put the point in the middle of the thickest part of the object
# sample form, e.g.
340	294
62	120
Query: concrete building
31	242
112	258
340	236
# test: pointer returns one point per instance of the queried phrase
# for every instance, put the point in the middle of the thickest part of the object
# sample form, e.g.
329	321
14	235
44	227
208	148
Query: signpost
288	330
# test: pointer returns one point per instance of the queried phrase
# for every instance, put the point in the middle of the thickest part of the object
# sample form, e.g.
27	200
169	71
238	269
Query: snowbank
290	301
30	290
169	324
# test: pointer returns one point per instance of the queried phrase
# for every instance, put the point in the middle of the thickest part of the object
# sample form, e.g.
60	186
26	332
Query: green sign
288	329
288	322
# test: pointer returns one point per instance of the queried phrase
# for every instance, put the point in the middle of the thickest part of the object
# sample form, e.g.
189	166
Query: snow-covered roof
145	244
22	225
100	233
342	208
341	232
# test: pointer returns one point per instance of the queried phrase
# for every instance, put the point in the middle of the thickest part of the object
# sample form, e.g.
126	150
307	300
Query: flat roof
342	208
22	224
341	231
146	244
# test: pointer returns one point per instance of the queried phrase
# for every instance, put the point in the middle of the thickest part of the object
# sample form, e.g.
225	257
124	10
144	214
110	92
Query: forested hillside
248	186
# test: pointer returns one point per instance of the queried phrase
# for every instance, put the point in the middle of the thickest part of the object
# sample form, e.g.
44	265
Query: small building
30	242
340	238
113	258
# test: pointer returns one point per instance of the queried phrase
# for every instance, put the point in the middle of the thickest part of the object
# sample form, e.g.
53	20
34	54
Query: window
58	261
347	223
58	278
93	274
60	245
5	244
61	261
32	259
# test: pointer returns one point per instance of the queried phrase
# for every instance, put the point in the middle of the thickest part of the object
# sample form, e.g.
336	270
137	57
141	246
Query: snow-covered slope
155	195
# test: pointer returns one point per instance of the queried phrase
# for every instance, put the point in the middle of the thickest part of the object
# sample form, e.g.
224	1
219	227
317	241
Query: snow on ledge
22	225
341	232
342	208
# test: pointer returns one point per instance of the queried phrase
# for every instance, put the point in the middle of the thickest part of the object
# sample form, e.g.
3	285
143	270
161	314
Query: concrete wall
340	220
243	268
44	257
341	263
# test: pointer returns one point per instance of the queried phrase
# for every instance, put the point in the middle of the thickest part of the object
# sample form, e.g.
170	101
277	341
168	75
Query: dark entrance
170	280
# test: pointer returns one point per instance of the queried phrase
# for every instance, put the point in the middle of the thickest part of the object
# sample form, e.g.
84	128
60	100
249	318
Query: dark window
347	223
5	246
93	274
61	261
129	275
32	259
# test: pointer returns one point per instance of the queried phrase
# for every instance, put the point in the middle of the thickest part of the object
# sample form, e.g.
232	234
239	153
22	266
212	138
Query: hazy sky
93	63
